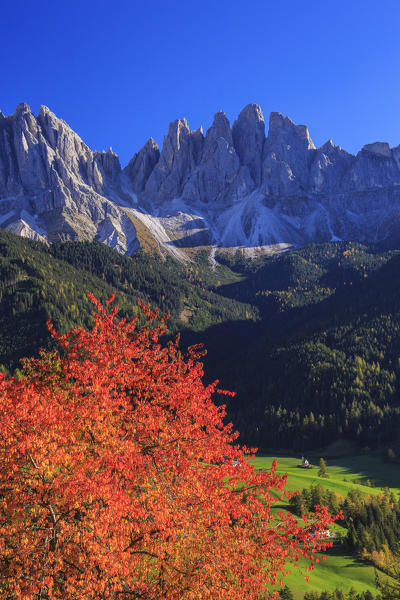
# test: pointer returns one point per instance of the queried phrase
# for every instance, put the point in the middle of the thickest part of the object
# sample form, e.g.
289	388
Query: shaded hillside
37	282
327	365
309	340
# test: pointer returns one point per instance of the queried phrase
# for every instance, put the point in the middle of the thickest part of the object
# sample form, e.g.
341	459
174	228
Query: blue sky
119	72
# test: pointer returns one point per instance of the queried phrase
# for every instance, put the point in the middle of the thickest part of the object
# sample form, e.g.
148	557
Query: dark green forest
309	340
325	364
38	282
372	522
286	594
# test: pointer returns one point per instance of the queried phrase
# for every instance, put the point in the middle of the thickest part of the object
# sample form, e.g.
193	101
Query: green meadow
340	570
368	474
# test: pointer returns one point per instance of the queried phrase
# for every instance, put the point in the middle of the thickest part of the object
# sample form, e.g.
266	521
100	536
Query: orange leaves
120	479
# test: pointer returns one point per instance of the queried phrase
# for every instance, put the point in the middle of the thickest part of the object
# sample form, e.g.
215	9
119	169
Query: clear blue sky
118	72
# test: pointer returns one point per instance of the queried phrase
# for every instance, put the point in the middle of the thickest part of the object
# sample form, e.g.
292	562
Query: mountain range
232	187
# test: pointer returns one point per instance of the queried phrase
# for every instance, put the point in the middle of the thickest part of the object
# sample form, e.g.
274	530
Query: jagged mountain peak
230	187
251	112
52	186
220	127
328	146
45	111
151	143
22	108
380	148
142	164
281	126
176	129
248	132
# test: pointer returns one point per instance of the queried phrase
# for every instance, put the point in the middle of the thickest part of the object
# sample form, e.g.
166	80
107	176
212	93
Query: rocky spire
248	190
220	129
248	134
214	178
142	164
109	163
288	152
178	157
21	109
53	186
329	167
283	129
26	140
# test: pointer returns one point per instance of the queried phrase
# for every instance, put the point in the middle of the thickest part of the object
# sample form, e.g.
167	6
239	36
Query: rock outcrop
248	133
232	187
178	158
328	168
288	154
212	181
141	166
52	186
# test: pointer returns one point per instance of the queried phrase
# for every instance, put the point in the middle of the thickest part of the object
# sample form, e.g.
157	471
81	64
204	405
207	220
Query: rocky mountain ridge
232	187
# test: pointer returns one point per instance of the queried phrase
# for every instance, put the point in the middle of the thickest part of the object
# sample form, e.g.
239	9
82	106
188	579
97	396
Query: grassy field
340	570
343	473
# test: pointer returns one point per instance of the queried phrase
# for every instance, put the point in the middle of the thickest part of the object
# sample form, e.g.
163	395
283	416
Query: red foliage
119	478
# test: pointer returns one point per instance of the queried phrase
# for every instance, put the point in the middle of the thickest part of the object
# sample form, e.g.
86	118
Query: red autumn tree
119	478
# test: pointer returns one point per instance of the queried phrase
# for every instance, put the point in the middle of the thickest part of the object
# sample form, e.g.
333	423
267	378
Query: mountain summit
232	187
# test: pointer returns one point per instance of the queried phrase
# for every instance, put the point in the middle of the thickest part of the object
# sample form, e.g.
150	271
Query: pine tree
323	471
286	593
389	587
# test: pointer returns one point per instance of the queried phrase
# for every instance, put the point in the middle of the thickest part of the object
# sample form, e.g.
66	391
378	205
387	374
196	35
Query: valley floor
368	474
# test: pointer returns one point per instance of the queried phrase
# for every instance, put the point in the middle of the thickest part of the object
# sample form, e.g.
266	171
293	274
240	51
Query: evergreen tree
323	471
389	587
286	593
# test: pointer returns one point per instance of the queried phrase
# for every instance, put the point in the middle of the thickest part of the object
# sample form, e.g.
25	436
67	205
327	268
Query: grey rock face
214	177
200	169
178	158
254	191
375	166
52	186
248	134
109	162
288	153
142	164
328	168
219	130
232	187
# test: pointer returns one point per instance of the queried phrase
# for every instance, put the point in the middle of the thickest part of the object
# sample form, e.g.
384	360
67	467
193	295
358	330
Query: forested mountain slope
39	281
327	363
309	340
